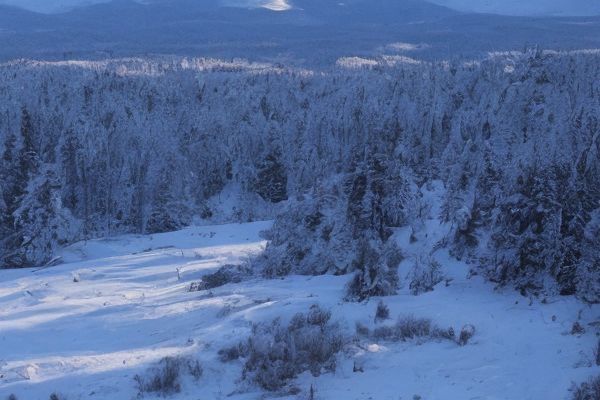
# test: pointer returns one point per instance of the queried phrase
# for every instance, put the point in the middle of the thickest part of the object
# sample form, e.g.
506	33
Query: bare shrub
577	329
382	313
231	353
405	328
56	396
426	274
195	369
316	316
164	378
385	333
589	390
466	333
276	353
409	328
447	334
362	329
12	396
226	274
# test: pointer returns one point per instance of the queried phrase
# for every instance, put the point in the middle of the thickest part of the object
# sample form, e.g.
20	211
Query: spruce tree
271	180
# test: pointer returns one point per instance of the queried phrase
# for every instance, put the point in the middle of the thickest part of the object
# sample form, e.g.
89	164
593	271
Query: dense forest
338	157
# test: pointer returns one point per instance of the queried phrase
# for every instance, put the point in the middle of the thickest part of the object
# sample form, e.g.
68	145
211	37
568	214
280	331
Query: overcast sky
510	7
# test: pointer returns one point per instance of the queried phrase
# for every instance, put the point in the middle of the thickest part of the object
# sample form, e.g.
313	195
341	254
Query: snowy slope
526	7
275	5
307	32
50	6
85	328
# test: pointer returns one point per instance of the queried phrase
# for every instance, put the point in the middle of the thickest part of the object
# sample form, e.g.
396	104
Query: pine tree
8	190
271	181
19	170
42	224
166	214
72	191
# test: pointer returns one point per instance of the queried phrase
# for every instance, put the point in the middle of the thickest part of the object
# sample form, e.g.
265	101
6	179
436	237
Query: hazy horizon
504	7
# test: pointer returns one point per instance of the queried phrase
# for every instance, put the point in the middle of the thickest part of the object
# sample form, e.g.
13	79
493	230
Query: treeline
94	149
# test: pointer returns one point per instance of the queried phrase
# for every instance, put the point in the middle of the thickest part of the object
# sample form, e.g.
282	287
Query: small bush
376	272
362	329
425	275
224	275
406	328
275	353
589	390
12	396
409	327
447	334
55	396
316	316
597	353
195	369
577	329
382	313
466	333
164	378
386	333
228	354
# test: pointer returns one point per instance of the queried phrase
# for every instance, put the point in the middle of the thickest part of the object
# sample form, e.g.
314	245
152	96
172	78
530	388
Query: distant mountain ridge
308	32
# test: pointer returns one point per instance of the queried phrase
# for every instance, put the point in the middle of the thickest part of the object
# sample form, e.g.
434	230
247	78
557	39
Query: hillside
312	33
86	328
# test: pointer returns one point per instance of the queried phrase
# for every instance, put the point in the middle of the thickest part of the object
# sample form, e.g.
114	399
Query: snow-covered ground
83	329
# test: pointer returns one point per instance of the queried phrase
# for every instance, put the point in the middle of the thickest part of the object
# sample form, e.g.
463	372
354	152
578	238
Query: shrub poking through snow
577	329
231	353
12	396
382	313
466	333
276	353
362	329
406	328
164	378
224	275
447	334
411	328
597	353
425	275
589	390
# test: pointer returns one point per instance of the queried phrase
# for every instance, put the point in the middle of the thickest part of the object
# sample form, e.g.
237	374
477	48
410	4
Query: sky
507	7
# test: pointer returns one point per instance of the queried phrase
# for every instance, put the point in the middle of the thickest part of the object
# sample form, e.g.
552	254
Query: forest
337	157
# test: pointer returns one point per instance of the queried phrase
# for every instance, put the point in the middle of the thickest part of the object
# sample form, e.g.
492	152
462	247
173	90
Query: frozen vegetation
119	319
340	156
383	227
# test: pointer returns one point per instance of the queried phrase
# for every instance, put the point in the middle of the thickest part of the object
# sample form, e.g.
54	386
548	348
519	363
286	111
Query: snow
86	327
50	6
525	8
274	5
